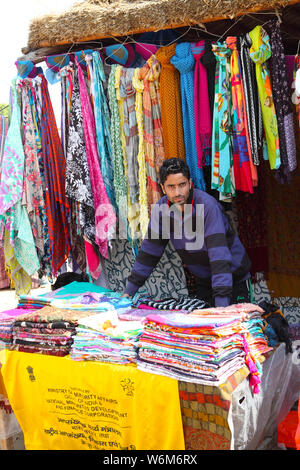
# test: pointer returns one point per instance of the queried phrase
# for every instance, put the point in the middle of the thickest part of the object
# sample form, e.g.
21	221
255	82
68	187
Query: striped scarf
221	144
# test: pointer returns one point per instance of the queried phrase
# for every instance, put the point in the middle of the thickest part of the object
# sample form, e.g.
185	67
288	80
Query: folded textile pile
47	331
7	320
204	347
94	301
182	303
103	337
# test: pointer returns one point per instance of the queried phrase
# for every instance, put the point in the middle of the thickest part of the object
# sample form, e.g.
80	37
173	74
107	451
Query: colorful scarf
241	150
153	136
33	197
56	204
102	121
184	61
3	133
119	180
260	52
171	113
282	102
105	217
11	184
143	199
221	144
203	126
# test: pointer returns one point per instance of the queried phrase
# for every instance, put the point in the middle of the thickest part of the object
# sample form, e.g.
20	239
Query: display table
63	404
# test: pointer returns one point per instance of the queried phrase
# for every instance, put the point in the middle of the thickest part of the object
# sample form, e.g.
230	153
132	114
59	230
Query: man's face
177	189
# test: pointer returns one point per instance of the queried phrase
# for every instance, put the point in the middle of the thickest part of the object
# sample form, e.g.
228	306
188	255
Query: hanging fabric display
171	113
184	61
209	61
252	103
282	104
202	110
240	142
153	135
260	52
222	170
105	217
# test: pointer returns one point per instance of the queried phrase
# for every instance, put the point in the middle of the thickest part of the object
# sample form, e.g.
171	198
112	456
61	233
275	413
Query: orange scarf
171	116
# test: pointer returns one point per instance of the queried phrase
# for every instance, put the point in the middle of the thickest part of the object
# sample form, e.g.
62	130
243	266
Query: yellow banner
62	404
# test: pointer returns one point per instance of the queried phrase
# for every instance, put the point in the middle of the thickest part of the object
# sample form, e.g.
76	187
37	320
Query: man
201	234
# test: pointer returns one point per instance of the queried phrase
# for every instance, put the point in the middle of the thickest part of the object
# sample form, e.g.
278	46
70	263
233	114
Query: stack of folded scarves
185	303
104	337
206	346
46	331
7	320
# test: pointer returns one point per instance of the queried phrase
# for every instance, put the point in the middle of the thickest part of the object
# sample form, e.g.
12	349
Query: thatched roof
96	19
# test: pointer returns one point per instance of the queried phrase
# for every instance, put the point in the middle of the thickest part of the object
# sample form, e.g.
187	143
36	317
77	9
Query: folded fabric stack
31	302
182	303
47	331
103	337
7	320
204	347
98	302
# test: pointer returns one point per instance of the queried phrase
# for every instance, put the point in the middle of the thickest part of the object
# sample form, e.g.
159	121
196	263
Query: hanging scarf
221	145
119	180
171	113
143	199
3	134
184	61
132	210
296	94
102	121
19	278
282	102
105	217
33	197
153	137
56	204
78	183
252	103
127	92
240	147
209	61
260	52
202	110
11	184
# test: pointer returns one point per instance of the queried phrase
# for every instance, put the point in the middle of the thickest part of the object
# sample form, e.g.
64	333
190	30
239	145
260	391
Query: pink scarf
105	217
202	110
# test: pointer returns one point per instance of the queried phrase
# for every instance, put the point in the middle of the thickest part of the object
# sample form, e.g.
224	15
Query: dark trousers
240	293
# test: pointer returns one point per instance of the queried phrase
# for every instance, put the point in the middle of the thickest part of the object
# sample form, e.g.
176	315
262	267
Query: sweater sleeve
151	250
219	254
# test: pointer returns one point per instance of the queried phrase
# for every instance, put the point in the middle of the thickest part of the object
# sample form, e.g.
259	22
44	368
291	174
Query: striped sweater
204	240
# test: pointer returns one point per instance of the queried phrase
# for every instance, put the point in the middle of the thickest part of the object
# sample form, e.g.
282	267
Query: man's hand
126	295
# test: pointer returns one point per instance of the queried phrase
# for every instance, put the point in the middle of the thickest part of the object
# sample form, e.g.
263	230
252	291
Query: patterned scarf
102	120
260	52
252	103
33	197
143	199
241	150
153	136
105	217
184	61
56	204
202	110
283	105
78	183
171	113
221	144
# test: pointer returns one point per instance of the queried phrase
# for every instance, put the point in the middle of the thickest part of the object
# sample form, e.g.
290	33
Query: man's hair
172	166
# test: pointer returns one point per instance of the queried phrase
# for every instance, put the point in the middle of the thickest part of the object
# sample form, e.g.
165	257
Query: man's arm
219	255
150	252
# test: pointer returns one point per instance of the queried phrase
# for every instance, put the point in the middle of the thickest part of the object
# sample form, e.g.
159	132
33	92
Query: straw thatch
97	19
